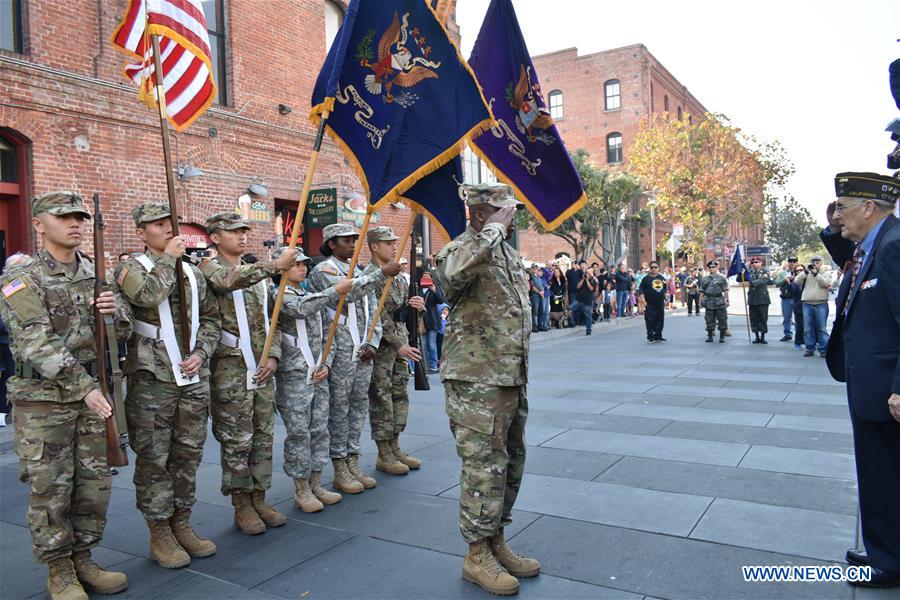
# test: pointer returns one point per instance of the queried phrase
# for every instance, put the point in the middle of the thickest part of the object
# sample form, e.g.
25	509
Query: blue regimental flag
738	266
524	149
401	98
437	195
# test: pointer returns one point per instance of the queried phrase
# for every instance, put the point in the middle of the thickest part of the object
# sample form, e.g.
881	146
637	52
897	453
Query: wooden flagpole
387	286
173	208
295	233
343	298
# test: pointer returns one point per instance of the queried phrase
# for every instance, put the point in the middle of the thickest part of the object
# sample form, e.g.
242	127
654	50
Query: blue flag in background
738	266
401	98
524	149
437	195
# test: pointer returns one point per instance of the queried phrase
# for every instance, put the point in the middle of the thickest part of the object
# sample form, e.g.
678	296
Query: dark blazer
864	345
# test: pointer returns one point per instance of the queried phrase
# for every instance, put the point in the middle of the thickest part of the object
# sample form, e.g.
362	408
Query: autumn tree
597	229
790	228
707	174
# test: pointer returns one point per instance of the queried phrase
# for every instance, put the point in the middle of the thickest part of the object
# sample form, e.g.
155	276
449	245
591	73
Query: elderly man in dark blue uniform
863	351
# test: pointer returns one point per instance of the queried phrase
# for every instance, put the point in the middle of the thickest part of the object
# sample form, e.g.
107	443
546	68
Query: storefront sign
321	209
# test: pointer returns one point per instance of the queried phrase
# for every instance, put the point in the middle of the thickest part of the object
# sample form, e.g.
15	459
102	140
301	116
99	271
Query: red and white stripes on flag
184	54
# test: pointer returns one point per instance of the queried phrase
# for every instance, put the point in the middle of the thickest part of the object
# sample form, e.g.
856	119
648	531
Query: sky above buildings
812	74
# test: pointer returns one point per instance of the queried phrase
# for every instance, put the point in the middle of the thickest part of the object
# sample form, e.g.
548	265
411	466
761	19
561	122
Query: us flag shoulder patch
330	270
13	286
122	275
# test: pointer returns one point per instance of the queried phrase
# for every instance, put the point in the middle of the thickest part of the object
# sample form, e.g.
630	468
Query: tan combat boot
410	461
343	480
304	498
245	517
357	474
95	579
187	538
386	460
269	515
164	549
482	568
62	584
516	564
325	497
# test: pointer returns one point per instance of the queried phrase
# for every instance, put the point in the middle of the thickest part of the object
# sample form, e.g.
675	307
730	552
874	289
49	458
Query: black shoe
662	339
822	354
762	339
786	338
756	341
709	339
808	353
721	339
586	332
879	579
858	557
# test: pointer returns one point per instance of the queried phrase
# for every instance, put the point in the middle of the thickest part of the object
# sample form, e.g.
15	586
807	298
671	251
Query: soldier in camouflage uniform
388	396
351	369
301	390
47	304
168	394
243	393
485	370
714	298
758	300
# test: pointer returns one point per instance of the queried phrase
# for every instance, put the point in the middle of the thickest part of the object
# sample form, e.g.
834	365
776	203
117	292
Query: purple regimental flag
524	148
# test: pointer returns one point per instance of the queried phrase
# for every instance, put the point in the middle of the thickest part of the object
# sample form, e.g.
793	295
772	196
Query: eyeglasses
840	208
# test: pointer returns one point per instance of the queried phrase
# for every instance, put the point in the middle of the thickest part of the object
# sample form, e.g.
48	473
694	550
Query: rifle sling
112	351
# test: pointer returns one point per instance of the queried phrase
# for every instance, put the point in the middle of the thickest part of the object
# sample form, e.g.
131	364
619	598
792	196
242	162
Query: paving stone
778	408
566	463
700	415
595	422
147	580
729	375
733	391
814	398
828	424
780	489
796	531
716	453
783	438
571	403
803	462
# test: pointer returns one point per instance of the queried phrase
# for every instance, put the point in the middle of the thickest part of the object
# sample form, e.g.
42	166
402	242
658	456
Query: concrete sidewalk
653	471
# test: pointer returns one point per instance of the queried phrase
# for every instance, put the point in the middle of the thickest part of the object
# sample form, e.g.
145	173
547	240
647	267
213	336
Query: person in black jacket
624	282
864	351
433	298
655	288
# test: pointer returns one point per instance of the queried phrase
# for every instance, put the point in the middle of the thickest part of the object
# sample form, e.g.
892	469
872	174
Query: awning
194	235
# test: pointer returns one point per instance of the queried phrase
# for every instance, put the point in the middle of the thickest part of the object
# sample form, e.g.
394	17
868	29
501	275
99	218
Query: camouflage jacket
224	279
50	319
145	291
300	304
758	293
713	288
327	274
393	332
487	334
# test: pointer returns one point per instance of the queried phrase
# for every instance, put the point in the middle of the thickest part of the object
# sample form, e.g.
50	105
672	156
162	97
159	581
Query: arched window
613	95
614	147
679	113
556	104
666	103
334	16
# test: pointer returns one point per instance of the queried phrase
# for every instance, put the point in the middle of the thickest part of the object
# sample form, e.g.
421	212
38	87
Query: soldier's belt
229	339
292	340
144	329
26	371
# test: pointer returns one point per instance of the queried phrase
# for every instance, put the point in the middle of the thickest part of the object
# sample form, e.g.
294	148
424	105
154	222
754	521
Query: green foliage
364	48
790	228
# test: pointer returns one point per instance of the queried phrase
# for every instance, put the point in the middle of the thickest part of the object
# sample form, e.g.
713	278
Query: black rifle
420	373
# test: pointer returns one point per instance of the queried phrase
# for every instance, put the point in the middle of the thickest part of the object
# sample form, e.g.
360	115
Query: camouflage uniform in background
712	290
166	422
60	442
484	367
243	420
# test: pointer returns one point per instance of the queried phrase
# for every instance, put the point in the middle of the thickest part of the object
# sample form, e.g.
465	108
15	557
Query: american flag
184	54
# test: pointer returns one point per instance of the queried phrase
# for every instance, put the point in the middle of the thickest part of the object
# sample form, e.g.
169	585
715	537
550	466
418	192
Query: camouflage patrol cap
148	212
493	194
338	230
301	257
228	221
59	204
381	233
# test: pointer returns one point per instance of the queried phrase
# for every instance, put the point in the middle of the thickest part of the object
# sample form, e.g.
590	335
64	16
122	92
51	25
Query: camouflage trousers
304	409
714	316
62	455
488	423
166	429
388	398
349	385
243	421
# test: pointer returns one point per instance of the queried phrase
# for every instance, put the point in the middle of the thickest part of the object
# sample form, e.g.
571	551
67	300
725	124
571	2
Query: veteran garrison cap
495	194
712	263
382	233
148	212
227	221
59	204
338	230
301	257
872	186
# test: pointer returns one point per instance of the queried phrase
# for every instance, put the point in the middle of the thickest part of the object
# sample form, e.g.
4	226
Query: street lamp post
651	202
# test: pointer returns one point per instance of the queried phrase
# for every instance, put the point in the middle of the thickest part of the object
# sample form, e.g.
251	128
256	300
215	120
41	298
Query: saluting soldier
714	298
484	368
60	431
351	368
388	395
167	403
243	394
758	300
